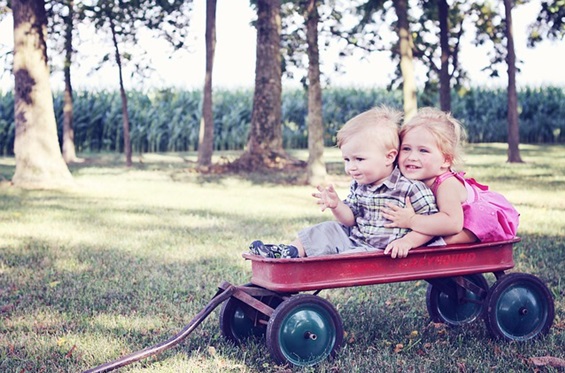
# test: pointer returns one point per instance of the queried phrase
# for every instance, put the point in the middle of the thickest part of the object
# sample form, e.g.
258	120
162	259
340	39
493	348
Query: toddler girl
468	211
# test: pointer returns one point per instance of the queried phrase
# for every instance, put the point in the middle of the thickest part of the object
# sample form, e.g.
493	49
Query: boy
369	145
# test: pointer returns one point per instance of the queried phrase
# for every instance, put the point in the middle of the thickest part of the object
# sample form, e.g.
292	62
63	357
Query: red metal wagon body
343	270
304	329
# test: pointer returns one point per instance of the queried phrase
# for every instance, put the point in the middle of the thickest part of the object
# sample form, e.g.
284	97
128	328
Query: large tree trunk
206	137
444	77
264	147
316	166
513	128
39	163
69	153
406	59
123	96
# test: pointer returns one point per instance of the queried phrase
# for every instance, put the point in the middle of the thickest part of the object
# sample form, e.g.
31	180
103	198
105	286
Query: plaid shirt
367	201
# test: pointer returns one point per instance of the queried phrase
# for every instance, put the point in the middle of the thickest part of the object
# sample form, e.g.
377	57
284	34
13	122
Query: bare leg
465	236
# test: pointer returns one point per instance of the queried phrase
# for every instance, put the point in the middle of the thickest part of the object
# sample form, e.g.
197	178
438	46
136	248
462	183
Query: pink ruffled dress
487	214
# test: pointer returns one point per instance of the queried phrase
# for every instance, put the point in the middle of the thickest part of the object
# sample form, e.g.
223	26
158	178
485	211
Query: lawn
128	257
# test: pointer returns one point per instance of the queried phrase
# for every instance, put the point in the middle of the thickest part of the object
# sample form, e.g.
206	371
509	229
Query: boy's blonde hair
448	132
380	123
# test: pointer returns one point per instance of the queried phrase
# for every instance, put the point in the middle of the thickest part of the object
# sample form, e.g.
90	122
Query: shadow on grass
114	303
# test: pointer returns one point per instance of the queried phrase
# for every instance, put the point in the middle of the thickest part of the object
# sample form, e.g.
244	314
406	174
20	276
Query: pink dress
485	213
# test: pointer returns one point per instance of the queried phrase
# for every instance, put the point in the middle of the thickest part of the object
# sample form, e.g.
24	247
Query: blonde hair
448	132
380	123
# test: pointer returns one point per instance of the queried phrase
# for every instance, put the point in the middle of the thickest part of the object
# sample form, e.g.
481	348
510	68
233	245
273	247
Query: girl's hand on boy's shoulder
399	217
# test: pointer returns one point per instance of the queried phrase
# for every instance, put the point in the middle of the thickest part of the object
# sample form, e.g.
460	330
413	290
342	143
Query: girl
468	211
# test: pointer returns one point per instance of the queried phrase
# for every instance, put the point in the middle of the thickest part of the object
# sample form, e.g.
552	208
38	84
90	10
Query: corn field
169	120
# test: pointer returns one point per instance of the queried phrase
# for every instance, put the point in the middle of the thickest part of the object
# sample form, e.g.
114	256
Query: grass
127	258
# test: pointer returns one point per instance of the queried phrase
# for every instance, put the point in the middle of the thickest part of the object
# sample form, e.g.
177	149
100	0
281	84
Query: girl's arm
449	220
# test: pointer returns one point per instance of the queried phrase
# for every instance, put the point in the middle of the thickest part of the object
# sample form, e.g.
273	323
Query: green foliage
7	124
169	120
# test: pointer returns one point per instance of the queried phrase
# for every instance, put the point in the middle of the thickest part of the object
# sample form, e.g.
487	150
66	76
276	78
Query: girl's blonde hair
380	123
448	132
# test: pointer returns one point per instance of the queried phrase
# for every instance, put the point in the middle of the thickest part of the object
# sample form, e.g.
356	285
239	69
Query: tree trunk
406	59
69	153
513	127
39	163
125	115
444	77
206	136
316	168
264	147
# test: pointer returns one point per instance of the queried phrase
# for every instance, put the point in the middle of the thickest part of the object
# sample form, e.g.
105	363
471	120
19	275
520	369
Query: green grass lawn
129	256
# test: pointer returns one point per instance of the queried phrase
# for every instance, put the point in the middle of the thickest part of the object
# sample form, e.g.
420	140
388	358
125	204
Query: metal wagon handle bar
220	297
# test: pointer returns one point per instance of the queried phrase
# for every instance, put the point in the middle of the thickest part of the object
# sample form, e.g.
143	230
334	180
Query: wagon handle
173	341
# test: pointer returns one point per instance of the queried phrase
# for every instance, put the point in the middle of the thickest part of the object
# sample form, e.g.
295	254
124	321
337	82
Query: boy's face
366	160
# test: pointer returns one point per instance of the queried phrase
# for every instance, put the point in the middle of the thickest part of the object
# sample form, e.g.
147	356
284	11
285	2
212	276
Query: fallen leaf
212	350
548	360
398	348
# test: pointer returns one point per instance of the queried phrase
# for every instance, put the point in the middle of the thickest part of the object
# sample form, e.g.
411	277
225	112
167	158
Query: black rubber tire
519	307
304	330
445	308
238	320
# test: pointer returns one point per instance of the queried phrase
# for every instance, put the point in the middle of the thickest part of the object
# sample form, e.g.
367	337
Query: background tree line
169	120
289	34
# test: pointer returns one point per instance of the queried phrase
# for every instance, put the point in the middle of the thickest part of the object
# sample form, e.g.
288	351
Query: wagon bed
344	270
305	329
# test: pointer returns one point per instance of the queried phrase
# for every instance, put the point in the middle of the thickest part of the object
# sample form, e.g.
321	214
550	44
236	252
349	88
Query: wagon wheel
239	321
519	307
453	308
304	330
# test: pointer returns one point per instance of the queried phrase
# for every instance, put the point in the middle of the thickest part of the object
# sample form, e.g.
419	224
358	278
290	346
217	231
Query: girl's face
420	157
366	160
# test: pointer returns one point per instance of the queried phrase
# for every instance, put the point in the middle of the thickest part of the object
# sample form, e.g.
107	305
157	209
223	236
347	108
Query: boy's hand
399	248
399	217
327	197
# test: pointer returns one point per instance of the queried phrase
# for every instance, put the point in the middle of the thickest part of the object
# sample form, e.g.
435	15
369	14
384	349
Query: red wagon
304	329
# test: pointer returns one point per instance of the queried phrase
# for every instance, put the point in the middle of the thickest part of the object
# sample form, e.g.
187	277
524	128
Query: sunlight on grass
128	257
130	323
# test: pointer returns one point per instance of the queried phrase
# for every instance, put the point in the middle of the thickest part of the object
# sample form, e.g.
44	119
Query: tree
440	56
444	78
123	95
492	27
316	168
405	47
513	128
264	146
402	51
124	20
206	138
69	152
39	163
549	23
62	16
